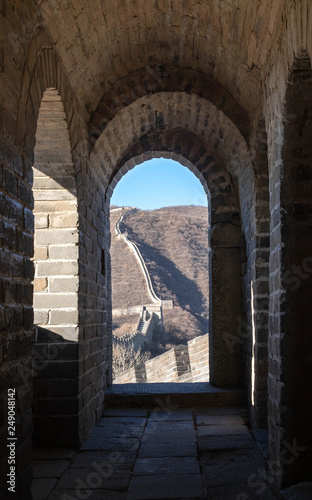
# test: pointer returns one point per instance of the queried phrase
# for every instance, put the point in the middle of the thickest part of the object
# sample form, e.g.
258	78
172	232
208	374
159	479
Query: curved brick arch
208	139
192	152
43	70
172	111
155	79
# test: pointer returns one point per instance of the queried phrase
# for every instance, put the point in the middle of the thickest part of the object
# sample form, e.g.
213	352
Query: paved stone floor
160	453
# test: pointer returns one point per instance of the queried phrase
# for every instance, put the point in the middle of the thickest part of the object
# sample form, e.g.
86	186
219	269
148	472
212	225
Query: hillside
173	242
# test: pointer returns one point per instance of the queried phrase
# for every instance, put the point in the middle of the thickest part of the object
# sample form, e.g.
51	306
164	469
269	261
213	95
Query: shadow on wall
185	289
55	384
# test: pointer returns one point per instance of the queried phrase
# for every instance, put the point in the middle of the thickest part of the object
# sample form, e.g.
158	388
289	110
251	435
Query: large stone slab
113	444
163	416
97	478
222	430
88	494
125	412
168	465
220	457
119	460
219	410
169	437
154	450
219	419
166	487
117	431
182	425
128	421
240	492
230	442
219	475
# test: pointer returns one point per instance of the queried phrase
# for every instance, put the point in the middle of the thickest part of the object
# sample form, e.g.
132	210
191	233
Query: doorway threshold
181	394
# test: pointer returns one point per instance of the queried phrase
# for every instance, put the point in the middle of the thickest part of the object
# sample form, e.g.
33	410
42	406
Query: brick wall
290	404
198	350
56	355
16	315
186	147
182	363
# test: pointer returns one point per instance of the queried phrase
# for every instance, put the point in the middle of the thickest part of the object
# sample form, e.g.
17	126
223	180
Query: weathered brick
41	221
52	301
10	182
56	236
64	220
29	269
25	194
41	317
11	264
54	268
40	252
63	285
70	333
25	243
8	235
60	317
65	252
24	293
11	209
53	206
11	156
28	220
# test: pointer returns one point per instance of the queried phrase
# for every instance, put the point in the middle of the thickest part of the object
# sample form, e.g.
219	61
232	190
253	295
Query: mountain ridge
173	242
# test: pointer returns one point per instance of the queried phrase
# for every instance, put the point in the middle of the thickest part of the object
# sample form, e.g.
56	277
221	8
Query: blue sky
159	183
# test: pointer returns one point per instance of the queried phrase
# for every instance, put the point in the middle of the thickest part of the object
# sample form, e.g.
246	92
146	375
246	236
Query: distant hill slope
174	244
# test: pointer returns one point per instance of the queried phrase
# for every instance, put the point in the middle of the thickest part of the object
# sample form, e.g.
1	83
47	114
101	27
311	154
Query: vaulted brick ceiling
102	41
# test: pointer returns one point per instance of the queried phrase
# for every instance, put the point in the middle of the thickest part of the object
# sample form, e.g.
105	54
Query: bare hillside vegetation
174	244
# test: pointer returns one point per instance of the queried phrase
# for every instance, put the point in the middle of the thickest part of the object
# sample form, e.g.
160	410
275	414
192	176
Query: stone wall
289	384
16	248
16	314
198	350
134	248
56	282
182	363
143	333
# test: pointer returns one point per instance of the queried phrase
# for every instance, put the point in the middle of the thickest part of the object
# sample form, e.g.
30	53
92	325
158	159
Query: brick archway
158	79
226	241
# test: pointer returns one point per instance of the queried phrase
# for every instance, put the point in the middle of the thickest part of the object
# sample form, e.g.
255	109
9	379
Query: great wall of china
182	363
149	314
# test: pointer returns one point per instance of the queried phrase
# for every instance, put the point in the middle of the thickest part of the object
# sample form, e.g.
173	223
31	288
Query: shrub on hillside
126	357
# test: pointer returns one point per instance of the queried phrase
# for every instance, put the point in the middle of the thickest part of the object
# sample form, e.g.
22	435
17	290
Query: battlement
182	363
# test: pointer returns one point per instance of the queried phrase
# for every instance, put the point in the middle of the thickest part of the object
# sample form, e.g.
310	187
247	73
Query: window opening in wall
160	275
56	272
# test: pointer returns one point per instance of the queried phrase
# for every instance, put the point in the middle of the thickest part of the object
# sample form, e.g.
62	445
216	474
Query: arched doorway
160	268
226	243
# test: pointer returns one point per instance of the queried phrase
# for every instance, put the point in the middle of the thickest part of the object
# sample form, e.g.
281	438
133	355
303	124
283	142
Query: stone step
173	394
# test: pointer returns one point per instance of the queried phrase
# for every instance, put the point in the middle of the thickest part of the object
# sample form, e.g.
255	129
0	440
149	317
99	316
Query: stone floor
159	453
